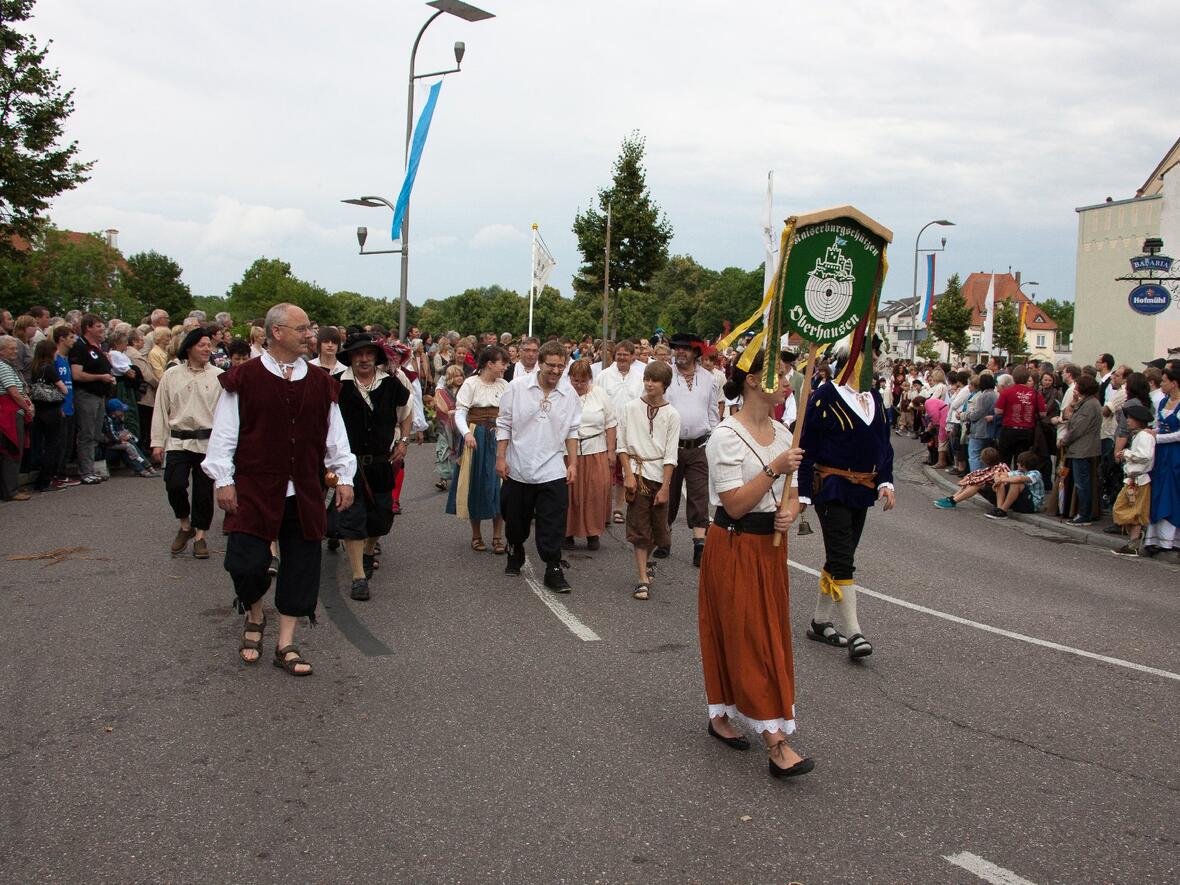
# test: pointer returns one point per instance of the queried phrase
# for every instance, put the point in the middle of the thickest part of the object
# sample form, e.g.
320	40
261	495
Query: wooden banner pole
812	351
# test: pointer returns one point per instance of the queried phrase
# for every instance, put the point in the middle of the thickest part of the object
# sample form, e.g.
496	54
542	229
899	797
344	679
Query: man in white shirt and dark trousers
536	457
697	398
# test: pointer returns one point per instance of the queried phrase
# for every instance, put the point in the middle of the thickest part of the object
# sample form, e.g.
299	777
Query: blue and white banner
928	299
416	144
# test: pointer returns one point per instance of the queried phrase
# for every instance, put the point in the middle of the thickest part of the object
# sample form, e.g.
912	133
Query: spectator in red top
1018	408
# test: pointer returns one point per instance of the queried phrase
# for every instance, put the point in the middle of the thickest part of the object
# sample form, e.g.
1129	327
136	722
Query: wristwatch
771	473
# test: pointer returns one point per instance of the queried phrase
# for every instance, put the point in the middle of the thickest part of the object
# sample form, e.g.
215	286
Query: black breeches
841	526
297	587
692	469
179	467
547	502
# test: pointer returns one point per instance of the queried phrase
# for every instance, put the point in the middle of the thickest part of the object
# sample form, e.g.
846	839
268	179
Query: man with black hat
370	399
697	398
181	426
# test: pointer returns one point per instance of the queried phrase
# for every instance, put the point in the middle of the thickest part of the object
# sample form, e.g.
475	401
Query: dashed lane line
564	615
985	869
1009	634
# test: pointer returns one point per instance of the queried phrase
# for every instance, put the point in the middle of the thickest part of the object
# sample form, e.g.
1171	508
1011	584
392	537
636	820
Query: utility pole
606	288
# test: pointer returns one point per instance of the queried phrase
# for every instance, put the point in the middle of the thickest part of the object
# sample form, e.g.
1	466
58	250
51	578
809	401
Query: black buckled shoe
555	579
734	743
360	589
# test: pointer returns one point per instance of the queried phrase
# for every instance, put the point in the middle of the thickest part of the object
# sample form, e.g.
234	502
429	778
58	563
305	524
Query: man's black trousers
547	502
178	467
298	585
841	526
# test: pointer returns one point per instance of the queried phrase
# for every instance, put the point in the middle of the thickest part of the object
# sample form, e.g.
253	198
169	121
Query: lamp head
460	48
367	202
945	223
362	234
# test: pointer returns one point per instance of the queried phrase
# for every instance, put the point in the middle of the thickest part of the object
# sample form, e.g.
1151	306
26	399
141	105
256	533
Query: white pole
532	271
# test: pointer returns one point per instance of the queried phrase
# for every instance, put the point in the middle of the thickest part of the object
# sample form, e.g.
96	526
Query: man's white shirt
537	428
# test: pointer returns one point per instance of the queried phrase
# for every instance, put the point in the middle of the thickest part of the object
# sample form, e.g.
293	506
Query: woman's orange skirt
589	497
745	628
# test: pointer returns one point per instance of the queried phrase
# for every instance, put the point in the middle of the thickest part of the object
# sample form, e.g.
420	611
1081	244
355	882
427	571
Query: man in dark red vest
276	428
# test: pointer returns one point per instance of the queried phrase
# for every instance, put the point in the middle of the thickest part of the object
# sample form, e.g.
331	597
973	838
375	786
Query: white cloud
496	235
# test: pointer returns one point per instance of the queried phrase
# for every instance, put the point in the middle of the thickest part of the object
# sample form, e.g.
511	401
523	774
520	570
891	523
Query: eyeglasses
302	330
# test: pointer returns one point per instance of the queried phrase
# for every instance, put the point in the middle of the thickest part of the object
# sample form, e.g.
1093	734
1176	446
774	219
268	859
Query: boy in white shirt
648	446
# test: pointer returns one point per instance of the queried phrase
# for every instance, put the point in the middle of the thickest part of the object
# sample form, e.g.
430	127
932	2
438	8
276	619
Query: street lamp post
469	13
914	303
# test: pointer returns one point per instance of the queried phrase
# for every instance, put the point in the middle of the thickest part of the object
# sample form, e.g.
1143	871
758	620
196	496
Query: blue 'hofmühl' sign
1149	299
1151	262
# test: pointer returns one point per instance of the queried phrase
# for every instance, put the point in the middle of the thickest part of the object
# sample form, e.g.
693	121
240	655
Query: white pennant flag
989	308
543	264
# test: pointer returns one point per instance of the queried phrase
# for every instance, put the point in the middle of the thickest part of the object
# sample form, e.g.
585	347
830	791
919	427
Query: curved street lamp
914	302
469	13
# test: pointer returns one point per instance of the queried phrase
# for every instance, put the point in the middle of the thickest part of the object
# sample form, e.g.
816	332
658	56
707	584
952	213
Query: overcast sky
225	130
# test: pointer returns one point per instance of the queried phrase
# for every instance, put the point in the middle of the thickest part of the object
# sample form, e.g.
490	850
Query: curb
1048	523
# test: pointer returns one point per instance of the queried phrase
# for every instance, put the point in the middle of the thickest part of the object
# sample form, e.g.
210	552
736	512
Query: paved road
458	730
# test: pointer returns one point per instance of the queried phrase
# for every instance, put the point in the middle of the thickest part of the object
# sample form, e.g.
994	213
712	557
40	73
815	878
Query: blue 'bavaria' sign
1151	262
1149	299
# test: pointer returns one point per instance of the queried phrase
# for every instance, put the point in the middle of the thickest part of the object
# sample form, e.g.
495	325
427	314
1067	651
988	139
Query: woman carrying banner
744	599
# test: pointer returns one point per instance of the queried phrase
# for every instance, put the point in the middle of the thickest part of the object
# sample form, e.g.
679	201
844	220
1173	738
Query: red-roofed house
1040	331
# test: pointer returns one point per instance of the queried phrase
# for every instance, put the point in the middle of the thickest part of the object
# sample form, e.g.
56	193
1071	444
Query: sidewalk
1086	535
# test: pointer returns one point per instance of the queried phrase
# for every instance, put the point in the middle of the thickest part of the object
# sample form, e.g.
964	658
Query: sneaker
1127	550
59	484
1079	520
69	481
555	579
997	513
515	560
947	503
92	479
360	589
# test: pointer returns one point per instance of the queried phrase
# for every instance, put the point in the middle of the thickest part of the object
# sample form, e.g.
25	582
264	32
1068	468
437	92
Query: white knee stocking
825	608
847	607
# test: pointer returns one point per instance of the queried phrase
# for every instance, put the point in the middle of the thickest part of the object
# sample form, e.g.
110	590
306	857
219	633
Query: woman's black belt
750	524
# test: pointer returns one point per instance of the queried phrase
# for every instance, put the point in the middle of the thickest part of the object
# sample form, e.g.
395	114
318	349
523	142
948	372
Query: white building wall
1108	236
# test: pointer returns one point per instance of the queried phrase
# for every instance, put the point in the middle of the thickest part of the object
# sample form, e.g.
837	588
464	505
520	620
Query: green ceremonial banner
833	274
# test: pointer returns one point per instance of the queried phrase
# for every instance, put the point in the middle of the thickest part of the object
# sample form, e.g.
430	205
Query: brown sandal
642	591
289	664
252	644
478	545
499	547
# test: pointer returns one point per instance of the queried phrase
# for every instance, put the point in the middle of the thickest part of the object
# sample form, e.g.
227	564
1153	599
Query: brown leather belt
857	477
484	416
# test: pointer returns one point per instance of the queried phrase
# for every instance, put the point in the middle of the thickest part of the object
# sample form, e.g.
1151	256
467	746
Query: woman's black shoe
737	743
801	767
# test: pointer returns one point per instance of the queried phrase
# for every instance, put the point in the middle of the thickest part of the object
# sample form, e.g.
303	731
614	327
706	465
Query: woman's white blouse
476	393
732	464
598	415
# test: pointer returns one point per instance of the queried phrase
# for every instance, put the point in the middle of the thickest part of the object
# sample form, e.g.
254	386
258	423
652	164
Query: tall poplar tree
640	232
951	317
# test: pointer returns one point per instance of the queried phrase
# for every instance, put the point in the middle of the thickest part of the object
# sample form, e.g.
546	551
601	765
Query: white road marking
985	869
564	615
987	628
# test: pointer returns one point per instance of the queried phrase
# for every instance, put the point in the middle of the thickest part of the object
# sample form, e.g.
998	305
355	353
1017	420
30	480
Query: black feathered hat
355	342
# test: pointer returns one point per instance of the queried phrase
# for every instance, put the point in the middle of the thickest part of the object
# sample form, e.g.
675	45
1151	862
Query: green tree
1006	335
680	286
926	349
35	166
269	281
638	314
67	271
951	317
640	232
1061	312
733	296
154	280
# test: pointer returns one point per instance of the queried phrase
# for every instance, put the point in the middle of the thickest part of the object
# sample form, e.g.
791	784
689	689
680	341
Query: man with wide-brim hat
182	423
697	398
370	399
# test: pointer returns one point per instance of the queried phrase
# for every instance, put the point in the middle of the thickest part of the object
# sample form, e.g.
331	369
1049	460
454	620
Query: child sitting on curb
1132	508
977	481
1021	490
